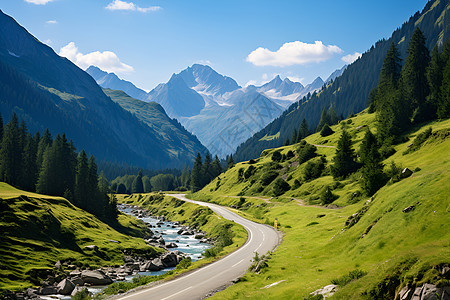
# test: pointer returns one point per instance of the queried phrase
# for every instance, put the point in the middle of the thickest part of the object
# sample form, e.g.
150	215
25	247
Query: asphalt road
197	284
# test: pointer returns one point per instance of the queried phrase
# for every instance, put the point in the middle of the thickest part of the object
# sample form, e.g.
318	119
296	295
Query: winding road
210	278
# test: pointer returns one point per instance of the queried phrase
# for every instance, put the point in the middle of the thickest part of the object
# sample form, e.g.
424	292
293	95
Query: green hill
373	237
349	92
38	230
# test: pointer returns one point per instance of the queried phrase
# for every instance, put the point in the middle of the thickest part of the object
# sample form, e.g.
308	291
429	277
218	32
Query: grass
38	230
389	246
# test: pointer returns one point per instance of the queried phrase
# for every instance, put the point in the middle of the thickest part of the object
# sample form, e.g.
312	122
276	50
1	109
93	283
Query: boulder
91	247
199	236
417	293
75	273
150	266
77	280
406	173
171	245
408	209
47	290
405	293
58	265
77	289
187	232
65	287
429	292
326	291
95	277
169	259
158	263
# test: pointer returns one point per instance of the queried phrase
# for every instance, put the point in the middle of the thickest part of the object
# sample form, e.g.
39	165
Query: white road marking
237	263
177	293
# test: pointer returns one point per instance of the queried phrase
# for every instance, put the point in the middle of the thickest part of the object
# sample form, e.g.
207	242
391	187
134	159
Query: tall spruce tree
434	77
137	185
185	176
82	181
216	166
303	130
196	175
443	107
206	171
46	140
344	161
11	153
230	161
372	170
29	166
414	79
294	136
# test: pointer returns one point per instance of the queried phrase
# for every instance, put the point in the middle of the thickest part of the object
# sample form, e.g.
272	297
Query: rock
113	241
75	273
91	247
161	241
417	293
360	127
169	259
408	209
445	270
157	262
77	289
199	236
429	292
31	293
58	265
405	293
171	245
95	277
187	232
150	266
77	280
65	287
446	293
47	290
406	173
326	291
180	231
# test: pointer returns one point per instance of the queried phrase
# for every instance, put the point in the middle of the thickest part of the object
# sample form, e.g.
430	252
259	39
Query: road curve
195	285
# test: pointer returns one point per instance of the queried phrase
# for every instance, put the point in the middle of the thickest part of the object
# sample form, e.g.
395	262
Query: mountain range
214	107
48	91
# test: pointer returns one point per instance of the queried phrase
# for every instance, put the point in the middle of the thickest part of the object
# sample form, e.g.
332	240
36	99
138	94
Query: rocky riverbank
67	277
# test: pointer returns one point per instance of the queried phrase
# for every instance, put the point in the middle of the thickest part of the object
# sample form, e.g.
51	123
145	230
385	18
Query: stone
445	293
77	280
77	289
113	241
169	259
406	173
47	290
199	236
417	293
171	245
65	287
95	277
157	262
150	266
405	293
408	209
75	273
58	265
91	247
445	270
429	292
326	291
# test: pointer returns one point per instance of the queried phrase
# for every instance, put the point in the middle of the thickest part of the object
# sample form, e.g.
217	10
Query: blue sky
145	41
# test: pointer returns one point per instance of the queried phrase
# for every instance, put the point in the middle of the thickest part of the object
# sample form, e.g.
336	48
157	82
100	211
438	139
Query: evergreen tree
137	186
206	171
121	188
344	160
230	162
81	181
443	107
147	184
434	77
303	131
326	130
373	177
294	136
216	167
11	153
29	167
414	79
44	142
185	176
196	176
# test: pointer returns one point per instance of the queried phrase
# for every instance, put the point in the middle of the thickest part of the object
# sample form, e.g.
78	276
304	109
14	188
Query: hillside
395	238
169	132
48	91
349	92
39	230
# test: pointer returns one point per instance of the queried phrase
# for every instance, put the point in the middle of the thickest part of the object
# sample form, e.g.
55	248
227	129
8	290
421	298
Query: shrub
249	172
184	263
419	140
327	197
306	152
240	174
276	156
268	177
326	130
280	187
313	169
290	154
212	252
347	278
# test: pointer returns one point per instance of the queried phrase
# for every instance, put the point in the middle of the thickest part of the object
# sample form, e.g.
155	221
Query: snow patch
13	54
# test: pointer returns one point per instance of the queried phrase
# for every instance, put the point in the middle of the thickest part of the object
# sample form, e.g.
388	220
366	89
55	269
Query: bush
280	187
290	154
327	197
268	177
394	172
419	140
313	169
326	130
249	172
306	152
276	156
345	279
240	174
212	252
184	263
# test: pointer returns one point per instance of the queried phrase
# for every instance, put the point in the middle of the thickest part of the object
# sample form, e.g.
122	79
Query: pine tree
230	162
196	174
373	177
29	167
185	176
82	181
443	107
414	79
216	167
206	172
303	131
344	160
46	140
137	186
434	77
11	153
294	136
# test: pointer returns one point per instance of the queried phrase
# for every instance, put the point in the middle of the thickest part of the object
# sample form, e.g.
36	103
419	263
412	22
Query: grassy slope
316	250
37	230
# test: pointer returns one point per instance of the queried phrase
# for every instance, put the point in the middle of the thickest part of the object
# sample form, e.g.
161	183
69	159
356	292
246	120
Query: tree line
50	166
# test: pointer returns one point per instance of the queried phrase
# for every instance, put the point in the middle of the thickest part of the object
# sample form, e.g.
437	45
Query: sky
146	41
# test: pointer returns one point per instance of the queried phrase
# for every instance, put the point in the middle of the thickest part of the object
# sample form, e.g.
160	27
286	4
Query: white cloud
130	6
38	2
293	53
52	22
351	57
107	60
